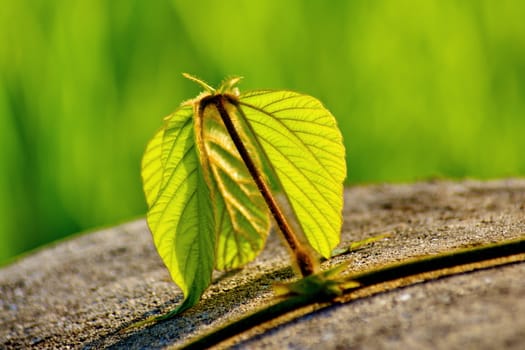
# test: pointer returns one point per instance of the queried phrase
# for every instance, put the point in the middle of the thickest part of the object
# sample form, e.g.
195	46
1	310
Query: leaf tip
201	82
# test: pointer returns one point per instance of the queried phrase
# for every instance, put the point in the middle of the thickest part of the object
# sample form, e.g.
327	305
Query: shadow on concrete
169	332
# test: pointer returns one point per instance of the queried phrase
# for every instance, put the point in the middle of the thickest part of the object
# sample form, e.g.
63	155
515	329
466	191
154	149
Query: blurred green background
420	89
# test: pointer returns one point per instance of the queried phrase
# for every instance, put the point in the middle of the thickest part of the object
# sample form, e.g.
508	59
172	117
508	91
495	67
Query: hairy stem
305	260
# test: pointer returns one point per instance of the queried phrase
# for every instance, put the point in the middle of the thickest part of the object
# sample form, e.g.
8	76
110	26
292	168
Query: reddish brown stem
305	261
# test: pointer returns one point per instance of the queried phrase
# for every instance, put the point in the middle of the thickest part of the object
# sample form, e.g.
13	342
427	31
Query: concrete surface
80	292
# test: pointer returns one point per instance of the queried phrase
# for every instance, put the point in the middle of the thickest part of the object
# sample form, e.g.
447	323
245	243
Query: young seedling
211	172
210	176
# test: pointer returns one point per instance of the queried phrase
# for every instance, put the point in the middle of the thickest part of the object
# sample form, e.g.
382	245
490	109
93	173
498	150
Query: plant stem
426	268
305	260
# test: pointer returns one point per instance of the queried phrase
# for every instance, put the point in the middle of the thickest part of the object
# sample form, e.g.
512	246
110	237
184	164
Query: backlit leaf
181	211
242	221
304	145
204	207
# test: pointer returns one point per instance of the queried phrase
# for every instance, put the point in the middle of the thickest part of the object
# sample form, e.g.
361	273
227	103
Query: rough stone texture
81	292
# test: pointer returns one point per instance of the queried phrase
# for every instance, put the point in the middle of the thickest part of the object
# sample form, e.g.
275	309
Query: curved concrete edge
79	293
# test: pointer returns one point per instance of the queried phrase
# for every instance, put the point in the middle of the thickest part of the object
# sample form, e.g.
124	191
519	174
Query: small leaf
360	244
204	207
322	285
181	212
354	246
302	142
242	220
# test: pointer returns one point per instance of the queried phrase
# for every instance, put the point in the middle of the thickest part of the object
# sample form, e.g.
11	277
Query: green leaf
242	220
322	285
204	207
304	145
180	212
